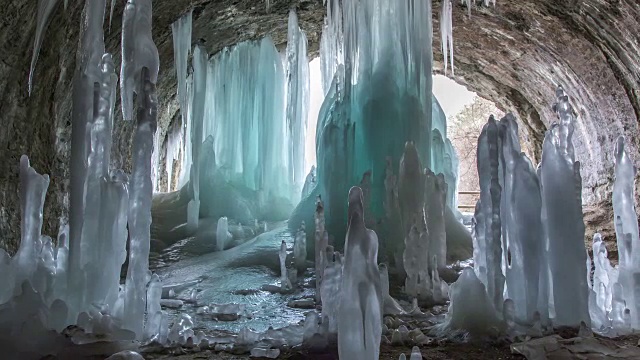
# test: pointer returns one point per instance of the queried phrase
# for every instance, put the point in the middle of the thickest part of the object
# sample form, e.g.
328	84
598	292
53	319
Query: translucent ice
222	233
297	75
564	226
359	316
181	31
626	224
446	33
300	250
138	51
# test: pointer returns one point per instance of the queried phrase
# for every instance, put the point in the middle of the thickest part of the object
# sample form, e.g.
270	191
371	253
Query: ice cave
319	179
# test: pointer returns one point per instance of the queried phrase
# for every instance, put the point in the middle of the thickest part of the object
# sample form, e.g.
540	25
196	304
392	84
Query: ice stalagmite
297	97
140	205
330	292
626	224
488	226
522	238
320	245
45	8
560	180
359	316
138	51
222	233
300	250
33	188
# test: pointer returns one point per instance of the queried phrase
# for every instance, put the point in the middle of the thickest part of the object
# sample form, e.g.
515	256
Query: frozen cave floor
244	274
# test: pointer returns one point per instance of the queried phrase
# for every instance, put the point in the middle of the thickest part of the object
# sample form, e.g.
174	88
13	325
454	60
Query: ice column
488	226
359	316
140	206
297	98
45	8
199	99
88	73
560	179
626	223
138	51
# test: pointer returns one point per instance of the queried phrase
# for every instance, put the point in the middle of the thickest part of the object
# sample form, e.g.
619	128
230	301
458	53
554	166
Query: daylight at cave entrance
319	179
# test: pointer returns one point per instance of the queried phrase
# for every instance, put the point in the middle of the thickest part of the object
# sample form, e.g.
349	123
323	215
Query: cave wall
513	54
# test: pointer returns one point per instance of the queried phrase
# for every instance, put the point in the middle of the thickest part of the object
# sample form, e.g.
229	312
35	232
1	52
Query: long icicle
45	9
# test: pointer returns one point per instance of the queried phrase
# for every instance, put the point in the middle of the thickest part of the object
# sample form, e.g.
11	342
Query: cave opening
298	179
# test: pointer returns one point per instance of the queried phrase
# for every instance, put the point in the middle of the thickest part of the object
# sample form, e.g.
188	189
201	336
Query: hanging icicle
45	8
446	34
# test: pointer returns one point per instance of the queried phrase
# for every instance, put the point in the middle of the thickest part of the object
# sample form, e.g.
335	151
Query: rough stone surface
513	54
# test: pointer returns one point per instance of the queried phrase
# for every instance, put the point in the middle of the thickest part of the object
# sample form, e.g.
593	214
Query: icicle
45	8
181	30
113	6
446	33
320	245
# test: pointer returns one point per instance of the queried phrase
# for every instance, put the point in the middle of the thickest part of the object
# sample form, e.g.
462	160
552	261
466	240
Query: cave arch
513	54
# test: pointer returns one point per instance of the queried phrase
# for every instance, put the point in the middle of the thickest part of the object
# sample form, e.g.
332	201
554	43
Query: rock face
514	54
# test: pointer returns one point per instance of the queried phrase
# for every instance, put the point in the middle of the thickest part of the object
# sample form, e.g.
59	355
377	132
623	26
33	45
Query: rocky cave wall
513	54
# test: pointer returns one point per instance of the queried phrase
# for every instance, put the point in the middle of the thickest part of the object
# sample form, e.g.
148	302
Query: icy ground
236	276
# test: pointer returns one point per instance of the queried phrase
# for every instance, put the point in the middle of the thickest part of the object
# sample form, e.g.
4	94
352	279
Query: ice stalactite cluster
252	106
446	33
373	71
81	284
45	9
529	254
360	309
613	302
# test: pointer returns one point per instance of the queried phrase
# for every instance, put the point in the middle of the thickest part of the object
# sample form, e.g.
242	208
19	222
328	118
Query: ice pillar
140	206
626	224
360	312
564	226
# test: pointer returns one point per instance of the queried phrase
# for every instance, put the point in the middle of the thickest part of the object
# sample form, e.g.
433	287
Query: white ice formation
300	250
446	33
297	75
138	51
79	282
360	310
529	253
222	233
613	302
422	202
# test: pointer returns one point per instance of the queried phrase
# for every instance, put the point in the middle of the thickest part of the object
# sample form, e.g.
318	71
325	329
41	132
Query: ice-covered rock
126	355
